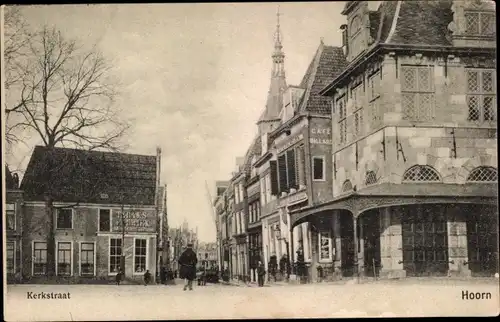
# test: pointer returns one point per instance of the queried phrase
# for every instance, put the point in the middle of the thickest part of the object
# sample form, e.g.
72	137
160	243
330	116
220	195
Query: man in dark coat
147	277
261	273
187	263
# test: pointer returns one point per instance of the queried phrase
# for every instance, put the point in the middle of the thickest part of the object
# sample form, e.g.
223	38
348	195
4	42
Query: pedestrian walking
187	263
147	277
118	277
261	273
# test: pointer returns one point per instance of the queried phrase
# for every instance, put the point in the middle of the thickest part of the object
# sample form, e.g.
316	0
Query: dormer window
480	23
355	44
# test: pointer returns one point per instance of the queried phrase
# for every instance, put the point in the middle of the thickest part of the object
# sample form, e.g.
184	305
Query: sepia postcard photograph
265	160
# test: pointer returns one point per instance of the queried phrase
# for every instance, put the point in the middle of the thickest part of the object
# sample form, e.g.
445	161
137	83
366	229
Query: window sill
63	229
138	274
325	261
319	180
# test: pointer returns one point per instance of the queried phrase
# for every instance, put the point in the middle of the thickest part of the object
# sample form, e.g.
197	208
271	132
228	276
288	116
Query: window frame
487	168
72	218
80	258
14	266
323	170
119	256
440	179
145	256
340	106
481	94
355	35
11	211
417	93
70	257
99	219
329	259
33	256
480	23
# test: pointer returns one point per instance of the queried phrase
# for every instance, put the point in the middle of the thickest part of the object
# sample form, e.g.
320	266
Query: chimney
345	39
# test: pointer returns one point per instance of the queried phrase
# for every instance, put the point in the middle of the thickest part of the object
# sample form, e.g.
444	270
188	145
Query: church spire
278	85
278	55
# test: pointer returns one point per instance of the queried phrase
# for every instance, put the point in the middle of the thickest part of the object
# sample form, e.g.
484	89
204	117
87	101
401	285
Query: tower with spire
269	118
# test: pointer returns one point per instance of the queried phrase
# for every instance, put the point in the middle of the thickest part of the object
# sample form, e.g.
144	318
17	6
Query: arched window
370	178
355	45
347	186
483	174
421	173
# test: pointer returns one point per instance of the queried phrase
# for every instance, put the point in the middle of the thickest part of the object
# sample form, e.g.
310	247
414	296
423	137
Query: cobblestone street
404	298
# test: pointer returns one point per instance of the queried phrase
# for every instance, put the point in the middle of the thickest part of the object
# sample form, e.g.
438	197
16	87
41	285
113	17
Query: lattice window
370	178
340	106
481	94
342	132
358	122
480	23
347	186
417	90
483	174
421	173
374	86
357	94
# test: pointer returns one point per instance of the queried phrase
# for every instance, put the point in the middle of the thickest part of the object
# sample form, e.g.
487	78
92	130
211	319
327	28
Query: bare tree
15	47
62	94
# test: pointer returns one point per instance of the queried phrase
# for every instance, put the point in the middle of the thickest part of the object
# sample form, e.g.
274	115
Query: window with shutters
481	94
480	23
291	169
282	173
417	90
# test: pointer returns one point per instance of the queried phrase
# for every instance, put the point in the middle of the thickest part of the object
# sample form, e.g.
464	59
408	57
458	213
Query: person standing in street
261	273
187	263
147	277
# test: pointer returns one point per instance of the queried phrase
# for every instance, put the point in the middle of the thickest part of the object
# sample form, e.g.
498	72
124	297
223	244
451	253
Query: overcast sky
195	79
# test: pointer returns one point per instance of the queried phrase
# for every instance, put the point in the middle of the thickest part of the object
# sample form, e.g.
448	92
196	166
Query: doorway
425	240
347	244
370	222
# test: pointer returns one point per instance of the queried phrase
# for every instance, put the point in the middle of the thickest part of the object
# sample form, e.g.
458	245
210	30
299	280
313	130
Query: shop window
64	258
319	168
11	257
140	255
115	254
39	258
325	246
87	254
64	218
421	173
10	212
105	220
481	94
483	174
417	90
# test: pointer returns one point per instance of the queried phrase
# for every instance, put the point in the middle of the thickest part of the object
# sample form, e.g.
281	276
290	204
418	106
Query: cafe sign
134	221
321	136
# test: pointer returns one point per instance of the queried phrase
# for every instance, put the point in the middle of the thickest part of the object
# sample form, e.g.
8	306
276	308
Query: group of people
146	277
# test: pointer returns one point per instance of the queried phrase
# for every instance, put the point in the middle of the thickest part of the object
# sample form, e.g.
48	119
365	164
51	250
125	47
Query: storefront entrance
425	240
370	222
347	244
482	230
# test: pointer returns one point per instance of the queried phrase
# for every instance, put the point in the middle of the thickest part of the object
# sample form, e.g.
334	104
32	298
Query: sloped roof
327	64
255	149
423	23
9	179
87	176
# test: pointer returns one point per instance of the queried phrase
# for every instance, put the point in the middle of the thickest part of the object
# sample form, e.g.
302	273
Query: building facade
96	217
13	227
414	142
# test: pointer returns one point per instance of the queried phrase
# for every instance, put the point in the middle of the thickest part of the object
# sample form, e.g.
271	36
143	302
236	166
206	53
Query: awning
390	194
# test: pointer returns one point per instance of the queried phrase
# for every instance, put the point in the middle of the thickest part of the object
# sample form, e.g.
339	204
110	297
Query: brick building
13	227
103	212
414	141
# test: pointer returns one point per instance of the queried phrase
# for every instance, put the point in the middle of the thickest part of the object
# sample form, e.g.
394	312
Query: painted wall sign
288	144
320	136
135	221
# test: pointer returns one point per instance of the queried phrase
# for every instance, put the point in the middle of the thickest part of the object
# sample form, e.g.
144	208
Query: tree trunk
51	243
